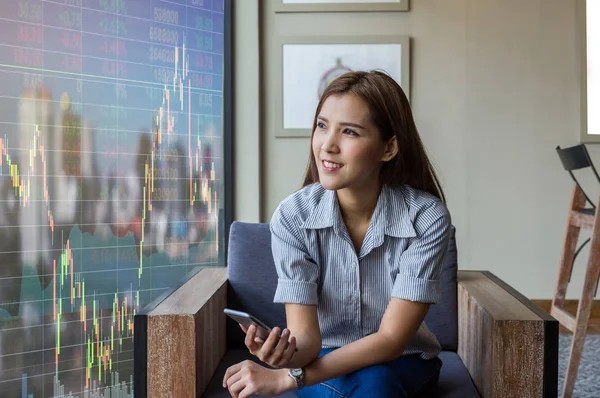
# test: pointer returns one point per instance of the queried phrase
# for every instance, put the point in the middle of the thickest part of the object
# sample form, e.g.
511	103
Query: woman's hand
246	378
277	350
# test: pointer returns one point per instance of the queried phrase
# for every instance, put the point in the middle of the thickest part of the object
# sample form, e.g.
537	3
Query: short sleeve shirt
401	256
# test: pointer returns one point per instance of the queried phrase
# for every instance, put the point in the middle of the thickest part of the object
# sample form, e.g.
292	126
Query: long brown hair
390	112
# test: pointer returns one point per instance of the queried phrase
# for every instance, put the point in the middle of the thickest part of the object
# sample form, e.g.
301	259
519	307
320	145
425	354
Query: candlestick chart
111	180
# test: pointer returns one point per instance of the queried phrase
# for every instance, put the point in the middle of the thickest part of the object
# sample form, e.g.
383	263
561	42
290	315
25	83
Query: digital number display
111	148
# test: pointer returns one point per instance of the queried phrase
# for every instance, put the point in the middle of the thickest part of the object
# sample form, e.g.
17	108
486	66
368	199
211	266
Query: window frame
227	127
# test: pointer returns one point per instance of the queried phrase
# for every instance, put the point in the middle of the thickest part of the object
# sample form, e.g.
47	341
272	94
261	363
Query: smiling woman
347	145
375	105
358	251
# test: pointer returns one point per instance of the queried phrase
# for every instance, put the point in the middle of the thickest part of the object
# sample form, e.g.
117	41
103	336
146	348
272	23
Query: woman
359	253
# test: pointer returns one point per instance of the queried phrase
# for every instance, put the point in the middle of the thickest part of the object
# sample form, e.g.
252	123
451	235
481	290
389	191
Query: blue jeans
404	377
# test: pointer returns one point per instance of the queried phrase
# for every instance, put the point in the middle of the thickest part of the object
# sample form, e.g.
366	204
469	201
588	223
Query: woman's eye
351	132
321	125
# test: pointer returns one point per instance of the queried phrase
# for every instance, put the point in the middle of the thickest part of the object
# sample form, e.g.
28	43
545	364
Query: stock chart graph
111	180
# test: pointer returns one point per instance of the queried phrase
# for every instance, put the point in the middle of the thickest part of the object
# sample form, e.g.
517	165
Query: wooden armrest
180	337
508	344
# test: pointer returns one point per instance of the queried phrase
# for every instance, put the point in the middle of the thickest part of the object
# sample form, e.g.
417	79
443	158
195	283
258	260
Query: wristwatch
298	376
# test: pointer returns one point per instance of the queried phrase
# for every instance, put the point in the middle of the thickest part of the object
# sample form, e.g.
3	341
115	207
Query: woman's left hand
246	378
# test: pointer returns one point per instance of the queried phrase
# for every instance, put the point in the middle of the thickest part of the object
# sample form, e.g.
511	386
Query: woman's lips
330	166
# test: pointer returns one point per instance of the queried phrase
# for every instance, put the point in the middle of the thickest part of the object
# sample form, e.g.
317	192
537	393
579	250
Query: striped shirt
401	256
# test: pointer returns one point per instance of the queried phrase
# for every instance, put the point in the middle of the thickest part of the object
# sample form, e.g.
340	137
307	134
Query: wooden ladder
579	217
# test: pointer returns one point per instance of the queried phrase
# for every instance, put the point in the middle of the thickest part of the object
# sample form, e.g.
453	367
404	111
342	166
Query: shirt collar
391	216
397	217
325	214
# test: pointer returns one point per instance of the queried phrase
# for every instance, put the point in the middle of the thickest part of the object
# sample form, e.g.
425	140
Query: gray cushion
442	318
252	282
455	381
252	277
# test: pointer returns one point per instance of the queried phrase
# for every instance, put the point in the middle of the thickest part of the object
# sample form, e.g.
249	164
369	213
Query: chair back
575	158
253	279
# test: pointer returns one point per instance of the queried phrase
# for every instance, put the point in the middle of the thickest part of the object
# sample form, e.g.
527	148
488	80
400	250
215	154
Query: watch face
296	372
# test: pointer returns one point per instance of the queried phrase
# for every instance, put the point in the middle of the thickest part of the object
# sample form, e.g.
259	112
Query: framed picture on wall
340	5
308	64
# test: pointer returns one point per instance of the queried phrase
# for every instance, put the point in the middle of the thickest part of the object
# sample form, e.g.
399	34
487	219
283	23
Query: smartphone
245	319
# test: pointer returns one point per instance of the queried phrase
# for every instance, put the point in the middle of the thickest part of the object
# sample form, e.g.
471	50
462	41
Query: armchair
496	343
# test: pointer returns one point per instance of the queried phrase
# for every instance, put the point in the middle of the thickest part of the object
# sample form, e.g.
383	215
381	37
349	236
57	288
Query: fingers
289	352
236	379
250	340
232	370
248	378
270	343
282	345
275	350
247	392
245	330
285	350
278	349
236	386
242	389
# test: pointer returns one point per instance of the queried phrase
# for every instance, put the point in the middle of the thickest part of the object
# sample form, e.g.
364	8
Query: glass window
114	178
593	66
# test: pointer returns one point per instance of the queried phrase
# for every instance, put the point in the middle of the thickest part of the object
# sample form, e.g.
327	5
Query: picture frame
306	64
283	6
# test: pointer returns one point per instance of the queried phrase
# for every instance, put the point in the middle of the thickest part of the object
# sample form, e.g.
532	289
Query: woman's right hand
277	350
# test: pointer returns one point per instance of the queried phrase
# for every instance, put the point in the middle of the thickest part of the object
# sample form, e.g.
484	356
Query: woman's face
347	147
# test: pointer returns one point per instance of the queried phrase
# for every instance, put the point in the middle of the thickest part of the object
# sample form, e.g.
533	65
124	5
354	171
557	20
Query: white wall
494	89
246	111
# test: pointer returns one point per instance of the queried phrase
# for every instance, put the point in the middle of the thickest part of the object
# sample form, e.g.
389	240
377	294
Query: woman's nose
330	143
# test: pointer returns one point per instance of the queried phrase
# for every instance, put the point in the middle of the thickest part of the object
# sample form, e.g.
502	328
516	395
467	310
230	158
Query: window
115	165
591	71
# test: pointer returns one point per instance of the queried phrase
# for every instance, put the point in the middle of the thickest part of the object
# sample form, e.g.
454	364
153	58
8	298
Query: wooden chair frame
508	344
579	217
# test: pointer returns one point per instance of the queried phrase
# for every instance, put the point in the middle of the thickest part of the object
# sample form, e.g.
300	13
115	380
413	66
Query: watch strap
298	376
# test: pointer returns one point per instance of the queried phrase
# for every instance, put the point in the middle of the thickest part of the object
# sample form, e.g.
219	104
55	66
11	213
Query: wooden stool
579	216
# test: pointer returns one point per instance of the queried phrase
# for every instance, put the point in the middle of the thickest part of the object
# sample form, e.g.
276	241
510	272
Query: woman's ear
391	149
